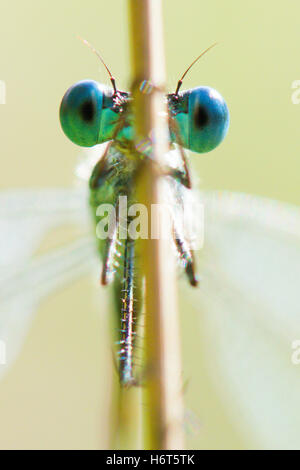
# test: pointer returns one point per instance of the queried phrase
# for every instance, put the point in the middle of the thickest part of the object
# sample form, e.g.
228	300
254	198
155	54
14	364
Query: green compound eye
202	118
80	113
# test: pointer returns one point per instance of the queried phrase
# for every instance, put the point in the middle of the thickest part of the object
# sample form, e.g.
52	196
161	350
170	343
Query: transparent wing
248	299
249	310
26	216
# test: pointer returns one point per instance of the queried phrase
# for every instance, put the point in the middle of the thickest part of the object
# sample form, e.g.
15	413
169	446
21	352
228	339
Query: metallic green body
91	114
110	179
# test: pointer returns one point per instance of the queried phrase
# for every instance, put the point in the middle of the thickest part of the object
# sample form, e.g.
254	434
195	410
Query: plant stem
163	388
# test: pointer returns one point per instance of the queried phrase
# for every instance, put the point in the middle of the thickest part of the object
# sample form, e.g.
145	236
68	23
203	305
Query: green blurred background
54	396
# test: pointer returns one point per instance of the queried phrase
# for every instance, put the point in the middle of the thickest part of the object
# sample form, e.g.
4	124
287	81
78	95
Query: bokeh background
54	395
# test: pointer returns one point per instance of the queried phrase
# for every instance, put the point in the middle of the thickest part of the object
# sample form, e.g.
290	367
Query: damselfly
91	114
247	304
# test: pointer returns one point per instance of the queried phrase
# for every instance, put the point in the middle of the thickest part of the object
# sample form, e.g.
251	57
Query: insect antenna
196	60
112	79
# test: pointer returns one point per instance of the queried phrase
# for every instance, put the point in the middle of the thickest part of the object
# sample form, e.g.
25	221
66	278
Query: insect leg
185	177
100	171
178	175
110	249
186	256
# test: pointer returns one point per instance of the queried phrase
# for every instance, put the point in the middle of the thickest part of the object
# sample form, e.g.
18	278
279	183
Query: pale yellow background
54	396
